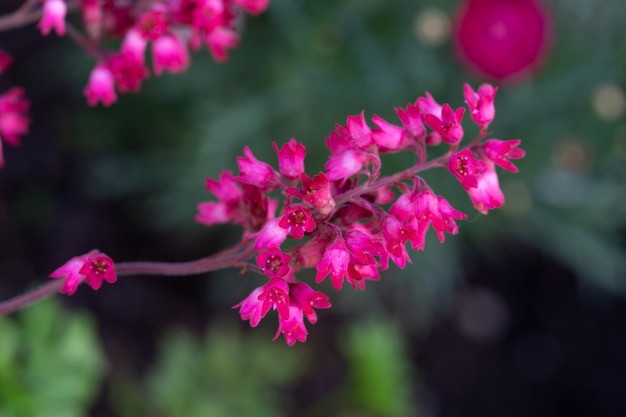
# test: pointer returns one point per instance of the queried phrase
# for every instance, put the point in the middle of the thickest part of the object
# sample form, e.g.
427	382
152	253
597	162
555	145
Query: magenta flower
93	267
347	164
301	295
448	125
316	192
152	24
503	40
275	294
251	308
358	273
363	247
13	118
271	235
290	159
226	188
254	172
395	235
296	221
339	140
169	52
428	105
487	195
404	207
101	87
480	104
360	132
53	17
389	137
500	151
334	262
273	262
219	40
292	328
128	66
465	168
435	210
411	119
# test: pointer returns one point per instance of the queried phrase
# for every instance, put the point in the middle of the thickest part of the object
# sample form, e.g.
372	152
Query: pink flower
435	210
310	254
92	16
253	6
334	262
358	273
100	87
251	308
270	235
395	235
5	61
449	125
487	194
210	213
480	104
411	119
152	24
275	294
389	137
465	168
404	207
128	66
316	192
219	40
428	105
226	188
292	328
290	159
273	262
169	52
363	247
339	140
98	268
254	172
360	132
502	39
303	296
296	221
93	267
347	164
500	151
53	17
13	119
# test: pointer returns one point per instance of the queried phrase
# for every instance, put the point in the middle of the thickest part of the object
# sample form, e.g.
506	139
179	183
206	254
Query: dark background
521	314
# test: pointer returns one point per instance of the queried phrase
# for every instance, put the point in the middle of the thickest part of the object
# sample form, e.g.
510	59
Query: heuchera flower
169	52
448	125
297	220
254	172
93	267
465	168
290	159
273	262
292	328
219	40
504	40
316	192
303	296
411	119
480	103
92	13
128	66
101	87
435	210
13	119
347	164
152	24
272	234
359	131
487	195
53	17
500	151
334	262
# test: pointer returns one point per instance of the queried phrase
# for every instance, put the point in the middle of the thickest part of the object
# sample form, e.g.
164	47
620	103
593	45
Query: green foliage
379	371
227	374
51	363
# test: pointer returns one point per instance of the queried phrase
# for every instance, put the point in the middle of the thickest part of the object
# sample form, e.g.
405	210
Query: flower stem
232	257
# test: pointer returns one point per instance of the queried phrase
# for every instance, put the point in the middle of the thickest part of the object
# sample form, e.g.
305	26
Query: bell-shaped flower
465	168
290	159
500	151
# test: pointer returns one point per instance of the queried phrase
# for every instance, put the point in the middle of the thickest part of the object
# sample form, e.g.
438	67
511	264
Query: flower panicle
347	221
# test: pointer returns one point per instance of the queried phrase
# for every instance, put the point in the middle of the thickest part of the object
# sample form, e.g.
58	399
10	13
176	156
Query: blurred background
521	314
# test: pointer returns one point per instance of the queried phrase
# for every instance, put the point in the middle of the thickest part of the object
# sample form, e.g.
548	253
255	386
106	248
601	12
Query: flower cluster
13	111
93	268
346	221
170	26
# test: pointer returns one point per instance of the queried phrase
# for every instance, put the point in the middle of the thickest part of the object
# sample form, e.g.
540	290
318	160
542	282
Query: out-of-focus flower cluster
169	26
14	107
348	222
